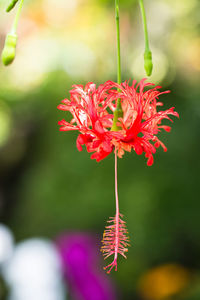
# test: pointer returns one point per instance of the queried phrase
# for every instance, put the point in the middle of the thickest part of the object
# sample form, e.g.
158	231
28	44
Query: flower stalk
148	65
118	113
115	240
116	192
17	16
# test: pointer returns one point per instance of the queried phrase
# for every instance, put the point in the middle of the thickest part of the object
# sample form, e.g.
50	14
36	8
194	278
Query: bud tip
9	50
148	65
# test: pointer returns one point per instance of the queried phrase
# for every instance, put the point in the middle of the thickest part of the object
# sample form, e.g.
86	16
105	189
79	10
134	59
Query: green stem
16	20
118	42
11	5
144	25
148	65
118	113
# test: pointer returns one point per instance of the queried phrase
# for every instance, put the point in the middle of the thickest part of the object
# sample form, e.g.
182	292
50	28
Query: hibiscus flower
116	117
93	108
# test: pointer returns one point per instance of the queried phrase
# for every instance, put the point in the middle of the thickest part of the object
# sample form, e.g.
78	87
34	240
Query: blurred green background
48	187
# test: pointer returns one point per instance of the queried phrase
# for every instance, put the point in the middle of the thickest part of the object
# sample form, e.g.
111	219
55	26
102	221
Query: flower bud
148	65
9	49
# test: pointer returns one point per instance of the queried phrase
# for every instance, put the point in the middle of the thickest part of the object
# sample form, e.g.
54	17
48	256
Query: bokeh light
34	272
6	244
163	282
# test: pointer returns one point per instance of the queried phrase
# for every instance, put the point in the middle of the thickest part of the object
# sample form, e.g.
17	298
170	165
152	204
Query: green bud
148	65
11	5
9	49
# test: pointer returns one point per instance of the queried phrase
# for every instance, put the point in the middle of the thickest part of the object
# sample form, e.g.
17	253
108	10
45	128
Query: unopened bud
148	65
9	49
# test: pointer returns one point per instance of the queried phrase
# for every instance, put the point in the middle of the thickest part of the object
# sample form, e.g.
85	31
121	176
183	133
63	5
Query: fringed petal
92	114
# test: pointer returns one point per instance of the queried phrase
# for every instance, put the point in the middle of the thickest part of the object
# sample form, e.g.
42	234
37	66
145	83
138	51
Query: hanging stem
118	42
117	209
144	25
116	186
118	113
115	240
147	53
16	20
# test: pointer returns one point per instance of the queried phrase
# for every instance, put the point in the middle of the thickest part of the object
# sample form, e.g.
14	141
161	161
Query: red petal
150	161
80	142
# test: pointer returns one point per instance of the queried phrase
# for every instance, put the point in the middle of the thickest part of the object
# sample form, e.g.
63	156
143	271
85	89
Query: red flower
92	110
90	117
141	122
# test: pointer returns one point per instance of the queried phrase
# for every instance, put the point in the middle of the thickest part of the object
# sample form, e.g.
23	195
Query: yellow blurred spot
163	281
160	65
193	54
181	7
